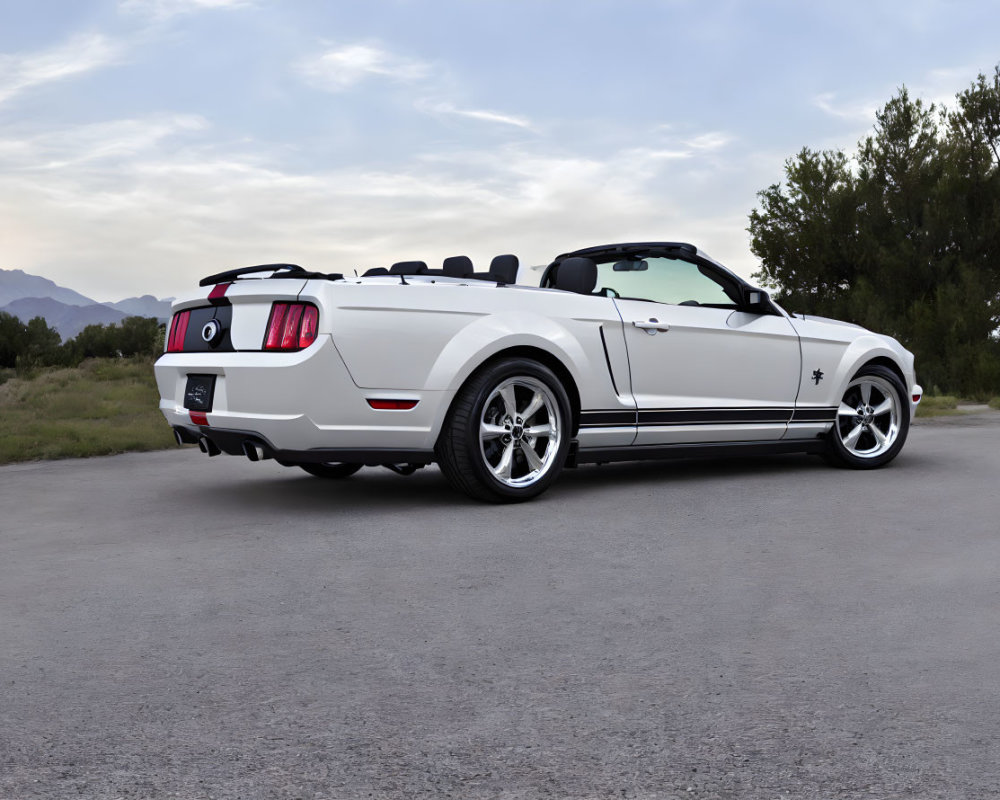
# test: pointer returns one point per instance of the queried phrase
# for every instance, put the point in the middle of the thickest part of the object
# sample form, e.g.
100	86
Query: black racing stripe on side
713	416
604	419
815	415
658	417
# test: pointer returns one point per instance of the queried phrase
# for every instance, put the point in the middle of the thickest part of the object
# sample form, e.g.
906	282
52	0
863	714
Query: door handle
651	326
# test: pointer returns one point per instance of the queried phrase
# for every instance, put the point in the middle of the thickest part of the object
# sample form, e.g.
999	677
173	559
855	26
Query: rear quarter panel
431	337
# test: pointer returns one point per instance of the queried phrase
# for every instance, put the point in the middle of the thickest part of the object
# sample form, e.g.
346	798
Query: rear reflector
291	326
916	398
199	417
178	330
392	405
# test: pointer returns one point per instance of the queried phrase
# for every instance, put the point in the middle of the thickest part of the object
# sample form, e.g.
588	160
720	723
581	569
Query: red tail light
290	330
292	326
310	322
178	330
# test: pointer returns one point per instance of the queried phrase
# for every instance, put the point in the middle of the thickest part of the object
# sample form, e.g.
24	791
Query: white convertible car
625	351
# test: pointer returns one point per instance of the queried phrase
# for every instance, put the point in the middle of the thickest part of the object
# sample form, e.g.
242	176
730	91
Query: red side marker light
392	405
916	398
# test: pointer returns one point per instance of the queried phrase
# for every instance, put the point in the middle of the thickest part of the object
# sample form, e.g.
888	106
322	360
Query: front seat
505	268
577	275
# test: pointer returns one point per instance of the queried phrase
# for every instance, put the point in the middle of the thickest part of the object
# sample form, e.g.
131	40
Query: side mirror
756	301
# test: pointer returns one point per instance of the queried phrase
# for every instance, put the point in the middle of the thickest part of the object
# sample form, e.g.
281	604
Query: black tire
483	448
868	440
333	471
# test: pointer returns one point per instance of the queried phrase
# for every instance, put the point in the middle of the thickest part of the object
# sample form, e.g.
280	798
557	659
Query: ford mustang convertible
624	352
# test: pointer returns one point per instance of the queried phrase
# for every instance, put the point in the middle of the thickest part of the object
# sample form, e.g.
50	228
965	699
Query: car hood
827	321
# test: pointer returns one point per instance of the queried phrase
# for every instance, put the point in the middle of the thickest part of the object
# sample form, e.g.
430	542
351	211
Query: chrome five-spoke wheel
520	431
872	420
507	433
868	418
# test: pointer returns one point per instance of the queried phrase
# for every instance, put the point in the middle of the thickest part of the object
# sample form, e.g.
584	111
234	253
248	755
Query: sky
147	143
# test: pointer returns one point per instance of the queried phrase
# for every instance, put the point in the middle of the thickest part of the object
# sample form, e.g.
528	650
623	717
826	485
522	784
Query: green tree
41	346
134	336
13	338
26	346
905	241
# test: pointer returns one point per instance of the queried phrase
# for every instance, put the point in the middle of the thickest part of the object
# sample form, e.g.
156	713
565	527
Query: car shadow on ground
377	487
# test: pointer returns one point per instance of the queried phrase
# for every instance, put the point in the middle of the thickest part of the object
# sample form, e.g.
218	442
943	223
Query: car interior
502	269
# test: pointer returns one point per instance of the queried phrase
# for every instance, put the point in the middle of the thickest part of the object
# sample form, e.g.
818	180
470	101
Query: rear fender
489	336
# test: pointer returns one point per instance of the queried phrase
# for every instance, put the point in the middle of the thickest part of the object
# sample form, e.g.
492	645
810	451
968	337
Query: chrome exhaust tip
254	452
208	447
178	438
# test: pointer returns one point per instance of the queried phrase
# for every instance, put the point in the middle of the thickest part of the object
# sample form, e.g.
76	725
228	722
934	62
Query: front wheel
507	435
872	421
332	470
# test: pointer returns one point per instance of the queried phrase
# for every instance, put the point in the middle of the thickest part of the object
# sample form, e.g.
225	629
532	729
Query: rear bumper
296	404
257	448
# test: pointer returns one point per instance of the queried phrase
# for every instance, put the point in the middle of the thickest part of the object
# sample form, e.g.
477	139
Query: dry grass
104	406
941	405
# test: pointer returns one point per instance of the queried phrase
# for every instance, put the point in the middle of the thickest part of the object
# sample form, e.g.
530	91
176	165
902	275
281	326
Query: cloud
81	54
153	204
713	140
857	112
483	115
164	9
939	86
340	69
116	139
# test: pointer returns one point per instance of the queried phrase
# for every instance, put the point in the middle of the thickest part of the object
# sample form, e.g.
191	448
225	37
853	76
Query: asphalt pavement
178	626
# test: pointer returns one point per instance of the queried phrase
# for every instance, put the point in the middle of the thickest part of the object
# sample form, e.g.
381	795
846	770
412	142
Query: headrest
457	266
505	267
375	271
407	267
577	275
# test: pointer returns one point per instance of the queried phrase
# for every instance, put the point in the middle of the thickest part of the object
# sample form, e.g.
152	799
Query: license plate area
199	392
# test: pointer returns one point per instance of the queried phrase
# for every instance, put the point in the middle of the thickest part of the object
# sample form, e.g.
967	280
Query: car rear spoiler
292	270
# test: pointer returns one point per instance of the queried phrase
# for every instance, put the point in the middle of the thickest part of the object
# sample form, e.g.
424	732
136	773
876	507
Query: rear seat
458	267
503	269
408	268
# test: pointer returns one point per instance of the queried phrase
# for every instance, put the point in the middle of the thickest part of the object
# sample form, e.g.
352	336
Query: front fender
839	362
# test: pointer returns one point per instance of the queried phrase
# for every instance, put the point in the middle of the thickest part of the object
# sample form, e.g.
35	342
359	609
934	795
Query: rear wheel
872	421
333	470
507	434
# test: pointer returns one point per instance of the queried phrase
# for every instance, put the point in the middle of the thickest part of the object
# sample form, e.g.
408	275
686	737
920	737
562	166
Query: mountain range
27	296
